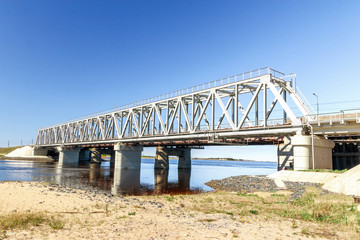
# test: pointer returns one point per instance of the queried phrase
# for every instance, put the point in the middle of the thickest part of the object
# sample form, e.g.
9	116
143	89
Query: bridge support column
95	155
184	158
162	157
127	169
302	151
127	157
68	155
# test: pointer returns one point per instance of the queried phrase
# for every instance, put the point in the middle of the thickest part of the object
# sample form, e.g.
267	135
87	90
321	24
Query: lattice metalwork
250	103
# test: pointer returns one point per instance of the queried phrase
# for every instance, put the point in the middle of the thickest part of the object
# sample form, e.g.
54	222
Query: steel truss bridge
260	103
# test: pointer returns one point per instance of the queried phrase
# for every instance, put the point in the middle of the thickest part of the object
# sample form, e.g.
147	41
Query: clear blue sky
64	59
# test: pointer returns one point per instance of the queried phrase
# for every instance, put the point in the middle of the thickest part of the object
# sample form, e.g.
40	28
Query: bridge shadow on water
104	178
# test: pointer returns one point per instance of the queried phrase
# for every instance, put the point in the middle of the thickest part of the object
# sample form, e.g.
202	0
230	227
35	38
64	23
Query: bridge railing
340	116
223	81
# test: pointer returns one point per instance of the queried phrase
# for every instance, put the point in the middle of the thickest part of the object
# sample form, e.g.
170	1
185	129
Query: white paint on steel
170	116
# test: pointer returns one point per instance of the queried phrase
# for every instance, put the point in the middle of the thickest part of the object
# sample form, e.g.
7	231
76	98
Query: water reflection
160	180
94	173
118	181
184	179
146	181
126	182
162	184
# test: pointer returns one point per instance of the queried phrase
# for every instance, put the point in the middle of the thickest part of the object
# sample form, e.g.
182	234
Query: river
147	181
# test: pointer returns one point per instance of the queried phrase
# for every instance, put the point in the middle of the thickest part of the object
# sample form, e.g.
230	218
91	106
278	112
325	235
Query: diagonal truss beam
184	114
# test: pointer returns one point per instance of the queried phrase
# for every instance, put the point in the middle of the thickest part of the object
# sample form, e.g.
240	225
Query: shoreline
217	159
33	159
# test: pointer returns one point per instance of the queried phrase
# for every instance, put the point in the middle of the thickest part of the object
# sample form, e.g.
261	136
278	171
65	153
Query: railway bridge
263	106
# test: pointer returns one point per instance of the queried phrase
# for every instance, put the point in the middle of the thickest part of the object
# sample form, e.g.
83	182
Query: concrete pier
68	155
184	158
162	158
127	164
127	157
95	155
163	153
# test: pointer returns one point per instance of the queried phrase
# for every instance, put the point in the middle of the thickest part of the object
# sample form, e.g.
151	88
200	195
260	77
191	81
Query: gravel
250	184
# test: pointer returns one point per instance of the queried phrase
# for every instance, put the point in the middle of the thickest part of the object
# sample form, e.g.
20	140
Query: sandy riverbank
85	215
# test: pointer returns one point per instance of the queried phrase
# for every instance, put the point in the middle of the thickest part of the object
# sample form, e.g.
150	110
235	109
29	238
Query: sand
97	216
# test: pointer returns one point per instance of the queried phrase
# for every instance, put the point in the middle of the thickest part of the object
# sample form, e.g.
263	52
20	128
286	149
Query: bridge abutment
68	155
299	151
39	151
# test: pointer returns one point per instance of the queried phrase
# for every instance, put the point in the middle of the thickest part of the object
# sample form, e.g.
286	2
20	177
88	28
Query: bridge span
263	106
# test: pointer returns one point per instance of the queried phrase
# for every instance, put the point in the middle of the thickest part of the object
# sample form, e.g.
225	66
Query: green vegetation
247	195
4	151
334	209
25	220
56	224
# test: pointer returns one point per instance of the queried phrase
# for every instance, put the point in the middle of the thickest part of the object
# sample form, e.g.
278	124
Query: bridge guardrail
340	116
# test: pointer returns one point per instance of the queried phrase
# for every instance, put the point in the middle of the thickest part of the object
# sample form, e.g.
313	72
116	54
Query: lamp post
317	106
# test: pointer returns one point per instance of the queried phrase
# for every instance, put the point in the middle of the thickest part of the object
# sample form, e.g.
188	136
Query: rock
249	184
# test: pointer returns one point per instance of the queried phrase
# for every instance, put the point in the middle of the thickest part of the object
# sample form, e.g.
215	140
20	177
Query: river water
147	181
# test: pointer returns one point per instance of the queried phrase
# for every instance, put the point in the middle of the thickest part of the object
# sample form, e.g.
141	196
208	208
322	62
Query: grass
333	209
56	224
4	151
25	220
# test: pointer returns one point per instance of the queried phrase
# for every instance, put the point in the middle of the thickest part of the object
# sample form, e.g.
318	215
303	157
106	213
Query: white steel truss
236	106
